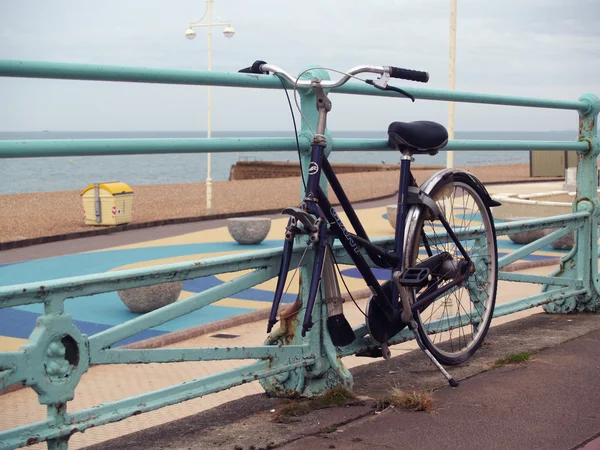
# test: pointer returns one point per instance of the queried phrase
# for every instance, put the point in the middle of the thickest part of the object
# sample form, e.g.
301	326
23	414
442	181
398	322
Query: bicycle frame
317	204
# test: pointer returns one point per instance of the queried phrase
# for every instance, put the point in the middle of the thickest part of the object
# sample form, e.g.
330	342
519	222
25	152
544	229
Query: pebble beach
35	215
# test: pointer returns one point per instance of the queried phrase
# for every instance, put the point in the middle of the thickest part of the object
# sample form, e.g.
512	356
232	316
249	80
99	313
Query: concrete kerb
247	422
128	227
155	223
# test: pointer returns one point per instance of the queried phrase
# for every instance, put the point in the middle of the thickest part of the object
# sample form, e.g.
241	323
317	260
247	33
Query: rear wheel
454	326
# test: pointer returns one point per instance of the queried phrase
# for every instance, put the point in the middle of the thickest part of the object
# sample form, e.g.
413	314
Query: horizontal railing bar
174	310
440	326
536	300
169	355
48	290
353	144
148	401
466	97
364	342
36	148
573	220
539	279
448	324
94	72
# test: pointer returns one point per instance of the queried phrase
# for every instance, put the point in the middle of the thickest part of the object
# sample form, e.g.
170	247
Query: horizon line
264	131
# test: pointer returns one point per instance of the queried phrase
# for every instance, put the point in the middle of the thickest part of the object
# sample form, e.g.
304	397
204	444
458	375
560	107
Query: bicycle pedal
415	277
372	353
379	352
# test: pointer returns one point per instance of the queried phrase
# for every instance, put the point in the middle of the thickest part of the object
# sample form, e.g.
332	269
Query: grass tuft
337	396
515	358
410	401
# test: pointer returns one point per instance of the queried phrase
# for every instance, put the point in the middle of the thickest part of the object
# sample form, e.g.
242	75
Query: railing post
328	370
582	261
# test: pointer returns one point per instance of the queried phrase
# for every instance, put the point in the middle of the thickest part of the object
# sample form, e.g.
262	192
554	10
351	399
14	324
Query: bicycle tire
481	285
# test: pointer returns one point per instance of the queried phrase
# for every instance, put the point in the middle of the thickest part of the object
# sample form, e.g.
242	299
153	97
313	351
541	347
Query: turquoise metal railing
57	354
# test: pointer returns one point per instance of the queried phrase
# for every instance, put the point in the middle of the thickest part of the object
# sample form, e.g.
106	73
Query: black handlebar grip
407	74
254	68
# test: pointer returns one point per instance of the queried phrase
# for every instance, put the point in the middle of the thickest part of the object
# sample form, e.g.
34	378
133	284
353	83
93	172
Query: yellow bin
107	203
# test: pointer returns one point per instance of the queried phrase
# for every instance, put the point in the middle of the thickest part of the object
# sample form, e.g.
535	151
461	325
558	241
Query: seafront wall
254	170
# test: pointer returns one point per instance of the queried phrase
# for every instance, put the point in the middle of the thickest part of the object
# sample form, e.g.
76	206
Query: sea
21	175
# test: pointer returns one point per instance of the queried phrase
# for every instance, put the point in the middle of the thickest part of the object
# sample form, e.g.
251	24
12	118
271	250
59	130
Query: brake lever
390	88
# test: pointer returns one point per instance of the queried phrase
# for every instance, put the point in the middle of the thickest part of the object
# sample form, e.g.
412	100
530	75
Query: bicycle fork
288	245
339	329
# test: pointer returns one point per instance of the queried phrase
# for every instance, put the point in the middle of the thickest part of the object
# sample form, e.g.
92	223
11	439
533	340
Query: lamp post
191	34
450	154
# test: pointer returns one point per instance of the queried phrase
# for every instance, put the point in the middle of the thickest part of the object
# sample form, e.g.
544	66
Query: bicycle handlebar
407	74
261	67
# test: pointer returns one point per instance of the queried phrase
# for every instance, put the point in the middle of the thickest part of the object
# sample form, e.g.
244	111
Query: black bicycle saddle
417	137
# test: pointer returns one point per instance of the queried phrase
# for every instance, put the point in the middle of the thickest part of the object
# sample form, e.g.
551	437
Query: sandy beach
34	215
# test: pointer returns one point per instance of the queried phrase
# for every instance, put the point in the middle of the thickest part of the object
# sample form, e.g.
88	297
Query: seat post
402	209
401	213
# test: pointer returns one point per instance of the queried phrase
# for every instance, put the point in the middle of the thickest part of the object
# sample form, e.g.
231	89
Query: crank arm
407	314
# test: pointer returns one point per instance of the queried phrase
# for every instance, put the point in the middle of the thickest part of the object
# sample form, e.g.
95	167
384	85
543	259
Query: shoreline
34	218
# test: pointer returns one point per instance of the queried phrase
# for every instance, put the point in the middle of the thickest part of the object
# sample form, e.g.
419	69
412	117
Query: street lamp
450	154
191	34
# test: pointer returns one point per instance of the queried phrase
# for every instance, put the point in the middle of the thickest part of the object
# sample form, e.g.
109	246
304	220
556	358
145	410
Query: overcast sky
541	48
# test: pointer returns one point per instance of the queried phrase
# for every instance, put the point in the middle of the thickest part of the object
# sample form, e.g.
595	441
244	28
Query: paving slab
549	402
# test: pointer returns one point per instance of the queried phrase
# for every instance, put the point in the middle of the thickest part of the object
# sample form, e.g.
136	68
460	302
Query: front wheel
454	326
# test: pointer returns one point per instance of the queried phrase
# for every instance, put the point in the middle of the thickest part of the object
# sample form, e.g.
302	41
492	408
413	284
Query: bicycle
431	266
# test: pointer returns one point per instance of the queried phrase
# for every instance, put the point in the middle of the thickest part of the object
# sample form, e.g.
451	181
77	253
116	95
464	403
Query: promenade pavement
551	401
158	246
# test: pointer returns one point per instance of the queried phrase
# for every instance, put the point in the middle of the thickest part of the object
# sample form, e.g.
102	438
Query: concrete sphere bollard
148	298
249	230
525	237
564	243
